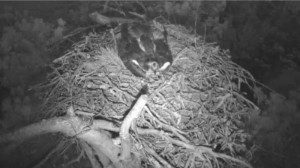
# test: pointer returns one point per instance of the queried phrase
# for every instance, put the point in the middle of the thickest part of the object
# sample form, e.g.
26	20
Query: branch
124	131
67	125
71	126
103	144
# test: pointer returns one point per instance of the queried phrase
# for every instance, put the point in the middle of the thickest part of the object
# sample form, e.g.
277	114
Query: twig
160	159
199	150
90	154
77	159
114	38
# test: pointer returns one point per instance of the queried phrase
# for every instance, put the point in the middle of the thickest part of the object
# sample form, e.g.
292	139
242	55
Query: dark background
262	37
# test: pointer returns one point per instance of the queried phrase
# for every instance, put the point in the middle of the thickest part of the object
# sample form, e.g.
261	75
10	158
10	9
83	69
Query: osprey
140	52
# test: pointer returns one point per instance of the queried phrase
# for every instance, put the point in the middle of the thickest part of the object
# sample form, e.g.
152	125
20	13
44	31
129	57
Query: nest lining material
197	101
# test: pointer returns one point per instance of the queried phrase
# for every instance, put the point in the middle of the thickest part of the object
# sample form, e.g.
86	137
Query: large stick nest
196	111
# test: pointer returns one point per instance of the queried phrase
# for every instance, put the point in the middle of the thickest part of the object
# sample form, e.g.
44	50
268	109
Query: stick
124	131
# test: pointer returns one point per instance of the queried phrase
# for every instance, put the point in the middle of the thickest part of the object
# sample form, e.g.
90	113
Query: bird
135	47
140	33
140	52
163	55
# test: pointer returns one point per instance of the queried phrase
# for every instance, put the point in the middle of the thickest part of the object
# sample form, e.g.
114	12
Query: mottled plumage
163	55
